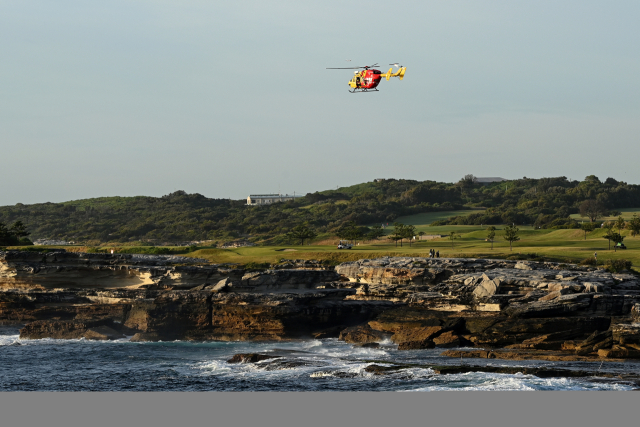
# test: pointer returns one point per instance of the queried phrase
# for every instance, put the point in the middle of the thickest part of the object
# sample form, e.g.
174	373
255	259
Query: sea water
309	365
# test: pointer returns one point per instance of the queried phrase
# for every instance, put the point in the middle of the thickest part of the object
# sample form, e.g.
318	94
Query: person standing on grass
438	254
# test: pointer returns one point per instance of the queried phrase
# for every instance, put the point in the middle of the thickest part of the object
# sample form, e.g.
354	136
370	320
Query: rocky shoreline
502	308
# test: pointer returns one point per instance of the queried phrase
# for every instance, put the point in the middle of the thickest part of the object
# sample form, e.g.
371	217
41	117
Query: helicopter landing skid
356	90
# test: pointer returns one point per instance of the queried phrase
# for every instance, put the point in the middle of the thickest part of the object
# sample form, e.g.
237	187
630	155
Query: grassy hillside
433	207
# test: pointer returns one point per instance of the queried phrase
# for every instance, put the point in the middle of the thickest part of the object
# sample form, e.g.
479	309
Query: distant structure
237	244
431	236
379	179
51	242
266	199
489	180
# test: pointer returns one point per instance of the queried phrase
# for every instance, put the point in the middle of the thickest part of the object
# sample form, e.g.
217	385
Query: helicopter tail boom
399	74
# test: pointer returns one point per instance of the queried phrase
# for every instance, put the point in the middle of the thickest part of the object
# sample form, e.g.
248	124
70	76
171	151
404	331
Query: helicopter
368	79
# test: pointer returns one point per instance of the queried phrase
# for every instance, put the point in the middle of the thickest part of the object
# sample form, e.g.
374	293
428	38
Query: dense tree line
547	202
180	217
14	235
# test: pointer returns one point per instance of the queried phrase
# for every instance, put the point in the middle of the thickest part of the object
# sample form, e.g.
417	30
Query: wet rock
416	345
361	334
249	358
68	329
369	345
333	332
381	370
145	337
102	333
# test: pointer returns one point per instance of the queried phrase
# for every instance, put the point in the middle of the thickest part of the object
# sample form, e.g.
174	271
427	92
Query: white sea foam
9	339
491	381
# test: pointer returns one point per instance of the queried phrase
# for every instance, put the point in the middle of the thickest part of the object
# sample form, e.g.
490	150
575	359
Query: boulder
593	287
524	266
635	313
361	334
223	285
487	288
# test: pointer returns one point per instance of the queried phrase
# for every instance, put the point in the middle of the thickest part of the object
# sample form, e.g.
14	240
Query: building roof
272	196
490	179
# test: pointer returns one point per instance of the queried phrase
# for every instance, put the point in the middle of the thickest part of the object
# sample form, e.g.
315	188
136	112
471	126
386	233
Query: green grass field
627	214
557	245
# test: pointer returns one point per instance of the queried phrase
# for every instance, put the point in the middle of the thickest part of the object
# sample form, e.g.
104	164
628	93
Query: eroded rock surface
525	308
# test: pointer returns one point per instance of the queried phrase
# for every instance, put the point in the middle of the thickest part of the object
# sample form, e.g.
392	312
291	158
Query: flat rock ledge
514	307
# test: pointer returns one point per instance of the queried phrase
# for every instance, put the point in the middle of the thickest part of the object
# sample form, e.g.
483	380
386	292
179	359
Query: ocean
307	365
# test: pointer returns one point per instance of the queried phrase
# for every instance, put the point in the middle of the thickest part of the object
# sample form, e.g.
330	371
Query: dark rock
381	370
416	334
619	352
249	358
369	345
449	339
145	337
361	334
102	333
68	329
416	345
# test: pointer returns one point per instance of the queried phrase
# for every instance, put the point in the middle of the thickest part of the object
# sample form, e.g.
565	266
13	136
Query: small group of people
434	254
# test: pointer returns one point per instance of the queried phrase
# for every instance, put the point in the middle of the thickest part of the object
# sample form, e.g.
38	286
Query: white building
489	180
266	199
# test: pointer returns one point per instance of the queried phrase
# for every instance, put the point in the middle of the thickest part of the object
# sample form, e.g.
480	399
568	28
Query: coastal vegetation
362	212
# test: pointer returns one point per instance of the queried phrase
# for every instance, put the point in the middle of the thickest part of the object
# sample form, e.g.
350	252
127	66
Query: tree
5	235
468	180
453	236
409	231
617	238
587	227
375	232
511	235
634	225
19	230
398	233
491	234
619	224
592	209
302	232
609	235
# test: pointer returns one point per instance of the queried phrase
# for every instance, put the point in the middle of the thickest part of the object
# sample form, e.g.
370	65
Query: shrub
588	261
257	266
617	265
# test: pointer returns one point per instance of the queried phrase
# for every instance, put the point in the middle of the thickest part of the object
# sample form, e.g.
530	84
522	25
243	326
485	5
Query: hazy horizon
147	97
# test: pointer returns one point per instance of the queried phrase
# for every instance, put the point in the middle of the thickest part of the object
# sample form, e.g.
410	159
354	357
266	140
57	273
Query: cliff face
417	302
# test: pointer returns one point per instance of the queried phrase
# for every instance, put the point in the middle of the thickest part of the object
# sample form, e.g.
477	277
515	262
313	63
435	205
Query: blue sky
231	98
